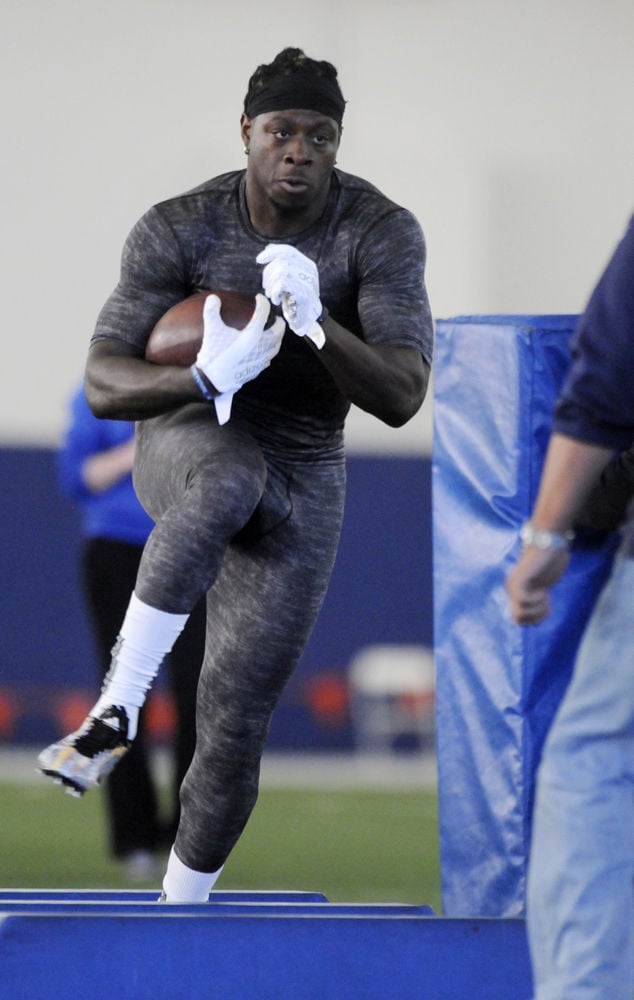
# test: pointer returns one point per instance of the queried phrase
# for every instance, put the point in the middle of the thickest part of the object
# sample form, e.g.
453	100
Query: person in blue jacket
95	472
580	901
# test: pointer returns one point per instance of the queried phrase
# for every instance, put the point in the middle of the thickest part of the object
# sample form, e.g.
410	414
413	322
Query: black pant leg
109	571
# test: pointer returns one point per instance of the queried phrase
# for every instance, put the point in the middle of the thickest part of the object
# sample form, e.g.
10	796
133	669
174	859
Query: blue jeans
580	884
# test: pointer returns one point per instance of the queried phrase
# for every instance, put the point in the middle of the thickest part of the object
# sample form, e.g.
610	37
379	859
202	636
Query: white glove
230	357
291	280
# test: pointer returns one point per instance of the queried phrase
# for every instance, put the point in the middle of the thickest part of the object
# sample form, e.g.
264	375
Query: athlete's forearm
122	386
388	382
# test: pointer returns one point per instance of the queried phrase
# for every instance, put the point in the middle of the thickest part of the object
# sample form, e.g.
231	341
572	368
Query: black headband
304	90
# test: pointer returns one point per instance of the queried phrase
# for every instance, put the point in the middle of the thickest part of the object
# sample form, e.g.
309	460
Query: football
176	338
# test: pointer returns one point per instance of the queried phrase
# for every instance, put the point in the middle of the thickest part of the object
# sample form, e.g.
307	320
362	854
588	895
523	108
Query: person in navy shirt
580	900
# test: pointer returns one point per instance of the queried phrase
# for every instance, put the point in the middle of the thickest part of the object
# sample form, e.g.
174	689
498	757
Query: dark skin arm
120	385
388	382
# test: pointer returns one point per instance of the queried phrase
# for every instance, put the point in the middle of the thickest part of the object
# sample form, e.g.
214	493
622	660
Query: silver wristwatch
539	539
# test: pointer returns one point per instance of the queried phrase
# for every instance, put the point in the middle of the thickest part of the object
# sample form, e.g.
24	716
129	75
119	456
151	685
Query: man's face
292	154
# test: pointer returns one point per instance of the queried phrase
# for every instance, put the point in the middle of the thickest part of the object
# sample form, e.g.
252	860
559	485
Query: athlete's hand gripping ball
291	279
230	357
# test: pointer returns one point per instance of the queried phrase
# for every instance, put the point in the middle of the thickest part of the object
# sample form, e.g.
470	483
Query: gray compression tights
258	533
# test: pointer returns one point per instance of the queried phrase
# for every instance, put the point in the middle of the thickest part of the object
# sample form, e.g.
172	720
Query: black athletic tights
256	528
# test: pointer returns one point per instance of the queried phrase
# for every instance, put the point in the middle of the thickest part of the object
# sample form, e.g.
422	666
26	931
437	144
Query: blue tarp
498	685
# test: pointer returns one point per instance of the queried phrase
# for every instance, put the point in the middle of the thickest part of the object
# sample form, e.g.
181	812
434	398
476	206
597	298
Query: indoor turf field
336	842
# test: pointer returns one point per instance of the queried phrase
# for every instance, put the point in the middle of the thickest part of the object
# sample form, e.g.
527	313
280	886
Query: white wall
505	126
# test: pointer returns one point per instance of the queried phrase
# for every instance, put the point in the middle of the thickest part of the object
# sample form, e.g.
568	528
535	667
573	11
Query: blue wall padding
380	592
498	685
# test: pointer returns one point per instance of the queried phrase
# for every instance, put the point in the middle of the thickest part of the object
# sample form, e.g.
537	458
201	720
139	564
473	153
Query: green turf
352	845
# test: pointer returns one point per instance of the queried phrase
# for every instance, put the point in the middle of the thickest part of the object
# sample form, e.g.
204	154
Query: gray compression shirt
370	254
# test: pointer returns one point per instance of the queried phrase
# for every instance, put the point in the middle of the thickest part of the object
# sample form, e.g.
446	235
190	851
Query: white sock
147	636
184	885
